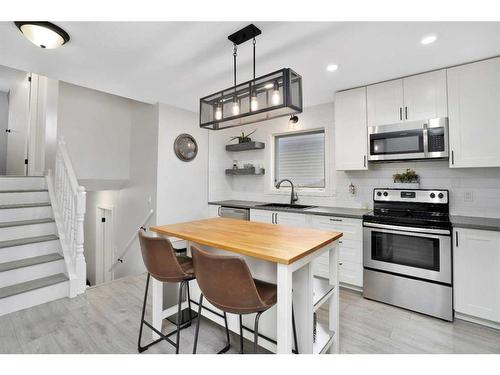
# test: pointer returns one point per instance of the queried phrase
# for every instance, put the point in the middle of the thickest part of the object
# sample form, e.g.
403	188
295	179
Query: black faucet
293	197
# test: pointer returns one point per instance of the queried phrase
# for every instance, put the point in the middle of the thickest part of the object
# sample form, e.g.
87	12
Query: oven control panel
411	195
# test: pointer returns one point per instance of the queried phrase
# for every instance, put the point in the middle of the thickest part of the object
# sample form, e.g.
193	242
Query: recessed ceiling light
332	67
428	39
43	34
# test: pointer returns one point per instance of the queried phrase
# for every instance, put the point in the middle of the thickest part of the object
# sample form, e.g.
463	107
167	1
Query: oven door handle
407	229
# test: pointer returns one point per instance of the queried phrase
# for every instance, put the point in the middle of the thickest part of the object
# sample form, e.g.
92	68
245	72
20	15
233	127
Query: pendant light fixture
43	34
273	95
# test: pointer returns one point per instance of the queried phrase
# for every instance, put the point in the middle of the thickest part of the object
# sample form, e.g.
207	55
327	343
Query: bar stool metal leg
140	348
179	318
294	328
197	331
228	345
241	334
256	332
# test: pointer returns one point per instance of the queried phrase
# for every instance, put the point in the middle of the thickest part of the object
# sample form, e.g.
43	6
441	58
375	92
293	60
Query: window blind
301	158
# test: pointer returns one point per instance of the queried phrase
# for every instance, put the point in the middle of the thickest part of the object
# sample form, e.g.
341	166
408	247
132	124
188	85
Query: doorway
15	96
105	247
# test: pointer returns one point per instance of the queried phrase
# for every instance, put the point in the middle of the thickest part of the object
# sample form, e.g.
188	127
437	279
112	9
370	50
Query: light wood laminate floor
106	320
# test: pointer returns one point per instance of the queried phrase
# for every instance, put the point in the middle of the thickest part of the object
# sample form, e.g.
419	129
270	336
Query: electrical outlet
468	196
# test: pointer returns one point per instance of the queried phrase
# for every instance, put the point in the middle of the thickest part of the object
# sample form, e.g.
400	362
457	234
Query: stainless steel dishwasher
234	213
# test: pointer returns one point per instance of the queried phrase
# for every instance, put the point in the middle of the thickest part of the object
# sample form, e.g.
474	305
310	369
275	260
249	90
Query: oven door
398	141
416	252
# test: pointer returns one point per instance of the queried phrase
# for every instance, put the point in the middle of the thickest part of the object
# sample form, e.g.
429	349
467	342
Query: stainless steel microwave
409	140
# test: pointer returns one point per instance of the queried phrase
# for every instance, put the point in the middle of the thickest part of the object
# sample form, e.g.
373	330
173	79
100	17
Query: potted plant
243	138
406	180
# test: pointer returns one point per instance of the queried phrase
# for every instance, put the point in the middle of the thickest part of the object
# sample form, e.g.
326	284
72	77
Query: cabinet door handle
218	211
364	161
401	113
332	219
406	113
340	263
456	239
272	218
452	157
276	218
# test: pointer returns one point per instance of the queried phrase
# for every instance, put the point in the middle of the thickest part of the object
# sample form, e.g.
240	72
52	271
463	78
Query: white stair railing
68	201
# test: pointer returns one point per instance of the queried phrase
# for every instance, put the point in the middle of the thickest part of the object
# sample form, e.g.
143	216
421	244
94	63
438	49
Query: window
300	157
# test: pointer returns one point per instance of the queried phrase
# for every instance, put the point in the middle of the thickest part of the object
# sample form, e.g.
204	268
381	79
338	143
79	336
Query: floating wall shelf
246	146
243	171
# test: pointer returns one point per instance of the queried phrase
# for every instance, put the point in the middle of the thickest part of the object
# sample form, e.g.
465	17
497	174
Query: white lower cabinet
350	249
285	218
350	245
476	278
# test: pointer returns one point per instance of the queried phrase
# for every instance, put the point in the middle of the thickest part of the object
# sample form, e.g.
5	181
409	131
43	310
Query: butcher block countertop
271	242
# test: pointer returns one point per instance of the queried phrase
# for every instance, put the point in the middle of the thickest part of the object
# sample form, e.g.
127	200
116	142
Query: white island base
295	282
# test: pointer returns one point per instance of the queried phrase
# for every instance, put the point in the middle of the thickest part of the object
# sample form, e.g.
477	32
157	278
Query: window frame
285	189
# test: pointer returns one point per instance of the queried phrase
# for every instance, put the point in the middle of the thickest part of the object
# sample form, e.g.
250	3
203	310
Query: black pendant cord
254	42
235	53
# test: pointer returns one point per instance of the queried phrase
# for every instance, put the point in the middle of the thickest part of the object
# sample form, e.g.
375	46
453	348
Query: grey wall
4	121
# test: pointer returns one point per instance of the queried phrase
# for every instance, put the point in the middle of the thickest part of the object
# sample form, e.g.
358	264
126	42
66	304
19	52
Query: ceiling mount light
332	67
273	95
428	39
43	34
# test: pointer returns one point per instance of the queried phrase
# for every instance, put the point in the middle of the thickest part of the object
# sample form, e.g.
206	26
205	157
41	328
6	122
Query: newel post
80	265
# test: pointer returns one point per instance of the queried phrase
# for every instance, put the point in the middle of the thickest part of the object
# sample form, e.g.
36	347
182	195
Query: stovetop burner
417	208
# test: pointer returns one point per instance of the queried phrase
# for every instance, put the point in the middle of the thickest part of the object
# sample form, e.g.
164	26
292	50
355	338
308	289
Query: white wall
97	129
4	121
182	189
483	182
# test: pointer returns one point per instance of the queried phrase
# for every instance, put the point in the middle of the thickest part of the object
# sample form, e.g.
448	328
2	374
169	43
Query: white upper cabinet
350	130
474	114
425	96
419	97
476	273
385	103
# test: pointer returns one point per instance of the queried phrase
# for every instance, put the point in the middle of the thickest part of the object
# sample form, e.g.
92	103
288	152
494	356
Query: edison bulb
254	104
275	98
218	112
236	108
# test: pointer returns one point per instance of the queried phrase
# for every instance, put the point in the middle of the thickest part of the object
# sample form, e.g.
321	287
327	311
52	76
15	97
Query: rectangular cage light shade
270	96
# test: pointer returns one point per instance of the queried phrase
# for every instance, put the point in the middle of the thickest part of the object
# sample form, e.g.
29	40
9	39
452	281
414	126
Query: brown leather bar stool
162	263
226	282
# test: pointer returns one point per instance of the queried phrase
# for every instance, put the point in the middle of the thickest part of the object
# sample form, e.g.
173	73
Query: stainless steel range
407	254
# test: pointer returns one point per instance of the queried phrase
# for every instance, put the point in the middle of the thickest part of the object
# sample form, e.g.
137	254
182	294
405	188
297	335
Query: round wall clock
185	147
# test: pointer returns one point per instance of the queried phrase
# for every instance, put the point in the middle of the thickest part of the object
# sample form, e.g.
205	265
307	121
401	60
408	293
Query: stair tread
28	240
26	262
24	191
27	286
24	205
25	222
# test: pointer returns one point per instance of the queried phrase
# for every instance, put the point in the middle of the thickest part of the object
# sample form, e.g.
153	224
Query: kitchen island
274	253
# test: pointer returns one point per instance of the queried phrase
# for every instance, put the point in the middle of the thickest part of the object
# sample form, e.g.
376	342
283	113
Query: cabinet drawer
352	228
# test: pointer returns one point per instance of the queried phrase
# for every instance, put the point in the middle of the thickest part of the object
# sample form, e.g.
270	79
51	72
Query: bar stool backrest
226	282
160	259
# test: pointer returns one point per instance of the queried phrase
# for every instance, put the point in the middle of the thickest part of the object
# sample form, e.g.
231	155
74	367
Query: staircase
32	265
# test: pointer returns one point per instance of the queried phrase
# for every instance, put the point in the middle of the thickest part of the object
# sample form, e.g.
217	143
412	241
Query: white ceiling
179	62
9	77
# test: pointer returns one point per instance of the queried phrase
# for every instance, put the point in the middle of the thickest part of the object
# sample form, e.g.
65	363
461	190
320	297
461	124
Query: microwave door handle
425	135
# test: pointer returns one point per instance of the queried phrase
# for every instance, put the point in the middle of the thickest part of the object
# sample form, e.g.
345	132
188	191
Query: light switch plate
468	196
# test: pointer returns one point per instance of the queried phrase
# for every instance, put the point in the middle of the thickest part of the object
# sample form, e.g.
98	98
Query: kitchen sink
285	206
